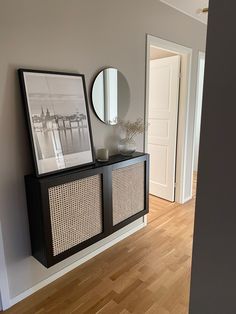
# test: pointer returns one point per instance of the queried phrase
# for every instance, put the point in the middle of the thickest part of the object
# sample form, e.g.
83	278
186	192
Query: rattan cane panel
75	212
127	192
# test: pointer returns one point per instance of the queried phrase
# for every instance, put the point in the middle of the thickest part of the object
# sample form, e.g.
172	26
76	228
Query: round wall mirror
110	96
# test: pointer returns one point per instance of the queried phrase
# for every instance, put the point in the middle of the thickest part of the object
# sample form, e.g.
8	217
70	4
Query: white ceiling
156	53
190	7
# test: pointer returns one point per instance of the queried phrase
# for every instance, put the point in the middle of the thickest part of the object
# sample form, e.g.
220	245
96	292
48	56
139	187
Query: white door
163	118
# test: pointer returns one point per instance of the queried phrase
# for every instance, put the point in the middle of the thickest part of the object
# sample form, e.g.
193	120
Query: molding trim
4	286
96	249
187	199
184	12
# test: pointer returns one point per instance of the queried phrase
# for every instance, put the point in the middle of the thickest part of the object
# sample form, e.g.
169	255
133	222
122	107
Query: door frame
201	56
182	179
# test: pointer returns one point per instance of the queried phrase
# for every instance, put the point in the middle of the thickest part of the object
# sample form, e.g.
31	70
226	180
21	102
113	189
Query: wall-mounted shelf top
112	160
118	158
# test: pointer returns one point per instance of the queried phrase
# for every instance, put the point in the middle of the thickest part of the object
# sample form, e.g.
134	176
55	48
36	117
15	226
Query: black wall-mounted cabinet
70	211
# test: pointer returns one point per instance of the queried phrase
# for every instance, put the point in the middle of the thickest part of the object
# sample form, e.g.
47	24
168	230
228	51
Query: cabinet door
129	193
74	214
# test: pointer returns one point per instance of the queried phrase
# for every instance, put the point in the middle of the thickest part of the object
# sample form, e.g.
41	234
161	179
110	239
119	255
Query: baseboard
183	199
4	287
188	198
104	245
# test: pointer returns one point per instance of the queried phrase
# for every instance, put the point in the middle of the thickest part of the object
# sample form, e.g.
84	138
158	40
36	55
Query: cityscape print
59	121
58	135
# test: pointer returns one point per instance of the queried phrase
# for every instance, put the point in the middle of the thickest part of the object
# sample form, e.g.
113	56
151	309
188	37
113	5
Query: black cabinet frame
39	213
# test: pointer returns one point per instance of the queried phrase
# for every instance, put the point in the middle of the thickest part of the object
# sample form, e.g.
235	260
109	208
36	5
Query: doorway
198	112
168	78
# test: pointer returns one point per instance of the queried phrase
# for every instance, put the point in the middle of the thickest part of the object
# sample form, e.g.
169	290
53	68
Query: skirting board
4	287
101	246
188	198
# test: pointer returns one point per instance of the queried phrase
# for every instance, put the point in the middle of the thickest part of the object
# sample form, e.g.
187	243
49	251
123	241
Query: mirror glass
110	96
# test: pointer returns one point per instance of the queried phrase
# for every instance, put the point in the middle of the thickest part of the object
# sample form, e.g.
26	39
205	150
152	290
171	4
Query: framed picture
58	120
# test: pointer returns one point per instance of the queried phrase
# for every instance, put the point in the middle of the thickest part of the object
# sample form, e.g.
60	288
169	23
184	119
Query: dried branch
132	129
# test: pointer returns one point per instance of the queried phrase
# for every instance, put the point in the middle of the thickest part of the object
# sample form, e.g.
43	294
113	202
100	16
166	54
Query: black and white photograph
59	123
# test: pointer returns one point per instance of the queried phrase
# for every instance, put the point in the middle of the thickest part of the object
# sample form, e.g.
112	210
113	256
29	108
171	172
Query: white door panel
159	155
159	130
162	133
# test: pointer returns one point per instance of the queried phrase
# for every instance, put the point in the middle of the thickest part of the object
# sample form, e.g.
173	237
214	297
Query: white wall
78	36
201	69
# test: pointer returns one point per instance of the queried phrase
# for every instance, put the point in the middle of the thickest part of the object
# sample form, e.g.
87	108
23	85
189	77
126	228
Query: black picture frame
33	96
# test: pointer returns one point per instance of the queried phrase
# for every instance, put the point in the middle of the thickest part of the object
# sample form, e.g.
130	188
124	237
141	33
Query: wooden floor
149	272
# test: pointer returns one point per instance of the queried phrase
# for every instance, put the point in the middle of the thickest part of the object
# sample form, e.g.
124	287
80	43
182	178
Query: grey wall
71	35
214	255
